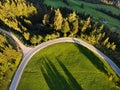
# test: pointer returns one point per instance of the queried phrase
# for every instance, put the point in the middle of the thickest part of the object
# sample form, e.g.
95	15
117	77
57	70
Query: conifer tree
113	46
105	41
86	24
34	40
75	26
65	27
108	45
45	19
58	19
72	17
26	35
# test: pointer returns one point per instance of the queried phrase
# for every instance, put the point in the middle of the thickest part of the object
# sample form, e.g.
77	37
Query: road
24	48
31	51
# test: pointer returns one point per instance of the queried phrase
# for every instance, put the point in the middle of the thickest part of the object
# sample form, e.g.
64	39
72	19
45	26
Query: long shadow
93	58
54	79
72	81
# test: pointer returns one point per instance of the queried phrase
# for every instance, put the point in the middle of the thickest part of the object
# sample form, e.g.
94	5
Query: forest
10	57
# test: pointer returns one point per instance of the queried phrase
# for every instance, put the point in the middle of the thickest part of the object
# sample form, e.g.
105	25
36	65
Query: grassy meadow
67	66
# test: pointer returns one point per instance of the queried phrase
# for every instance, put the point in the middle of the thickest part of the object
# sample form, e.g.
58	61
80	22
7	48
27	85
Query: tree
58	19
101	27
113	46
39	39
34	40
73	21
108	45
47	37
26	35
75	26
105	41
72	17
98	37
65	27
86	24
45	19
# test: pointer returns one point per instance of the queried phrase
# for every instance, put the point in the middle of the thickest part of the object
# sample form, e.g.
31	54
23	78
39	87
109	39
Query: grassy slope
66	66
89	8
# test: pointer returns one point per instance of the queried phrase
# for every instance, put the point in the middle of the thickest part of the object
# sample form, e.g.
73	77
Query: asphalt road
29	52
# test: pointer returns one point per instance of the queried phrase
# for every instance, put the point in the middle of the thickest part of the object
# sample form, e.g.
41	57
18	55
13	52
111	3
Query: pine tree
34	40
58	19
101	27
45	19
75	26
39	39
108	45
86	24
98	37
105	41
113	46
65	27
26	35
72	17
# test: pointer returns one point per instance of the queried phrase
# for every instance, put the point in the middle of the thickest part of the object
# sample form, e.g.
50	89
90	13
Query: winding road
29	52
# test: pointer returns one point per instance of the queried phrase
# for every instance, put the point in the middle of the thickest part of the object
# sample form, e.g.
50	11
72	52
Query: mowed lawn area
67	66
90	8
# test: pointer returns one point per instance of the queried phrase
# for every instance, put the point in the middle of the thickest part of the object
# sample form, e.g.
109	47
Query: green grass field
90	8
67	66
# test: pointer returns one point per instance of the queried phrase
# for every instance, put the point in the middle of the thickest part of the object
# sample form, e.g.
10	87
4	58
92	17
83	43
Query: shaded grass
96	62
67	66
55	80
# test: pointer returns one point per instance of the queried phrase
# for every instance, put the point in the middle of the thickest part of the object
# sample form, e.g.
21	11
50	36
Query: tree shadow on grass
72	81
55	80
93	58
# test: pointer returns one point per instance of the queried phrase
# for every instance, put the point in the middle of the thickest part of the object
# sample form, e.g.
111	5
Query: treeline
115	3
9	59
72	25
